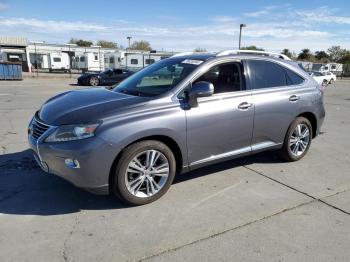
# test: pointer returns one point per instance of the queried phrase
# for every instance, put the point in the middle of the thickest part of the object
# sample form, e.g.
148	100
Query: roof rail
188	53
253	52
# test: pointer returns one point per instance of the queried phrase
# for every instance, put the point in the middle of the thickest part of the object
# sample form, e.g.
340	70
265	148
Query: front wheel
297	140
324	82
144	172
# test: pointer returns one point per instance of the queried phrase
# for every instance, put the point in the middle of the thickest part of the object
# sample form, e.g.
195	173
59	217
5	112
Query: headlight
72	132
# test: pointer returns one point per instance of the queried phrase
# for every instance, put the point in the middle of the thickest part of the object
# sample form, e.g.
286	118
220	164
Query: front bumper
94	155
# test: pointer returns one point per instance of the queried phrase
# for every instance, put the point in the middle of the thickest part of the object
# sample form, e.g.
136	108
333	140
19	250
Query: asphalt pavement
257	208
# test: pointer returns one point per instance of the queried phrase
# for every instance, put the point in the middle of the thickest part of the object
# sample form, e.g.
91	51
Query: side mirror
201	89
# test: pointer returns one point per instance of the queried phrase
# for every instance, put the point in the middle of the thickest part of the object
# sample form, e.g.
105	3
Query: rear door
278	95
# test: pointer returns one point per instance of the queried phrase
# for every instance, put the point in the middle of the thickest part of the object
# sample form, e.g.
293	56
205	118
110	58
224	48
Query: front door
221	125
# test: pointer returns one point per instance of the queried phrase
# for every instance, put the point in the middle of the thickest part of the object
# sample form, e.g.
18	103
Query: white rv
138	60
56	62
89	61
113	60
334	68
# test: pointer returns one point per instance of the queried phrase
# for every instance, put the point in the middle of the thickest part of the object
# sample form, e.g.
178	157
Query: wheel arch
170	142
313	121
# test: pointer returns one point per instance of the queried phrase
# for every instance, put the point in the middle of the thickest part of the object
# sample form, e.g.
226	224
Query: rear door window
264	74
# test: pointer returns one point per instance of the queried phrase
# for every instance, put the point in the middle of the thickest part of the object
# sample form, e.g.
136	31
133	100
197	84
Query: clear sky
182	24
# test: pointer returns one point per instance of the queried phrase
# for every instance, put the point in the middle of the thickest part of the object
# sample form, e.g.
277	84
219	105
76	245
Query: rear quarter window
293	78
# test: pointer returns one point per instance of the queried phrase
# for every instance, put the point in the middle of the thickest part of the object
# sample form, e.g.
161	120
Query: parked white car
330	77
320	78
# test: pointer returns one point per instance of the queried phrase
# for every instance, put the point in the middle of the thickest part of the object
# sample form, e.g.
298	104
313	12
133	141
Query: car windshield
158	78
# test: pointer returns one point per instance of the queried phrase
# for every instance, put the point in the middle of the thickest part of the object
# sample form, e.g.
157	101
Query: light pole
36	56
99	55
126	53
240	34
70	58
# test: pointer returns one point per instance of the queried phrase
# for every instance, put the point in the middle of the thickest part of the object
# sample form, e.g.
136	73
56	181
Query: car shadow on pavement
26	190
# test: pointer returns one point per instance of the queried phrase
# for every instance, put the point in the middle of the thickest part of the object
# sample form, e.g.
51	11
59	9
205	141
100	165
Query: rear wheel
144	172
298	140
94	81
331	81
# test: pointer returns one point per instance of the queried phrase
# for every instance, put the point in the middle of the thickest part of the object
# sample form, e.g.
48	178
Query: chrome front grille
38	128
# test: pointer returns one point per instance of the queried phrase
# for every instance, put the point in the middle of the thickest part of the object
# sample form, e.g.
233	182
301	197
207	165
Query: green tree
287	52
321	56
80	42
106	44
336	53
141	45
345	58
252	47
306	54
200	50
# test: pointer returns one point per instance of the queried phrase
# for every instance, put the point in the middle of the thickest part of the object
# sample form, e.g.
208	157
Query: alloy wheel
94	81
299	140
147	173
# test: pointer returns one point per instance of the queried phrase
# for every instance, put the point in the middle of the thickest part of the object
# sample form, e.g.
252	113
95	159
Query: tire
290	151
324	82
122	181
331	81
94	81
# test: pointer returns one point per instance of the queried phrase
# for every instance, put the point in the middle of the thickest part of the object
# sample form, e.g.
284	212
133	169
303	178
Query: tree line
136	45
333	54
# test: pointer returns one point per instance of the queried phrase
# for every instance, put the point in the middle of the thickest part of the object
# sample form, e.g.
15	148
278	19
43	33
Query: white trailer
89	61
113	59
334	68
58	62
135	61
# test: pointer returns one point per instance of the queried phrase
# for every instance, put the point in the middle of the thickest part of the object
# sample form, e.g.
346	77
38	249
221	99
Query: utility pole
240	35
70	58
36	56
126	53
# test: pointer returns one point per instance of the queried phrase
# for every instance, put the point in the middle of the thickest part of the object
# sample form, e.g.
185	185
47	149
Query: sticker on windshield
192	62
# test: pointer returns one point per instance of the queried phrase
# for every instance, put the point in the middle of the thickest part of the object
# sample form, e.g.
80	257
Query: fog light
72	163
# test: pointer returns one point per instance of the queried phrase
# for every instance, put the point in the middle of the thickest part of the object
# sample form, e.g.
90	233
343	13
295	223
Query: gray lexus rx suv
173	116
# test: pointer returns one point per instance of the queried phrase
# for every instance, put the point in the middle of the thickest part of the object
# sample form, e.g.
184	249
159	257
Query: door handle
244	105
294	98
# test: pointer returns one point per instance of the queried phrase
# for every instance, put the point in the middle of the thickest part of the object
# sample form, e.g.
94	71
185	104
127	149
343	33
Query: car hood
86	106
